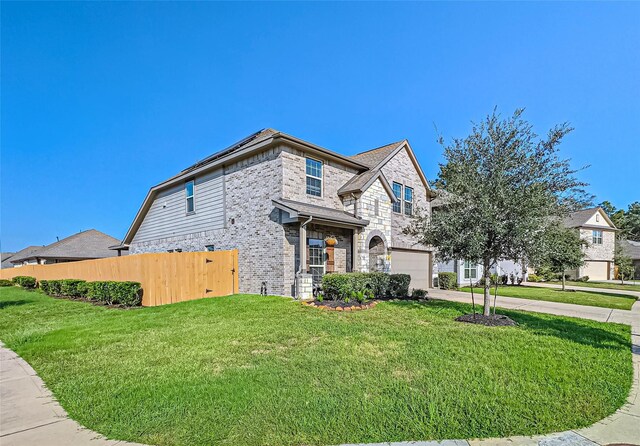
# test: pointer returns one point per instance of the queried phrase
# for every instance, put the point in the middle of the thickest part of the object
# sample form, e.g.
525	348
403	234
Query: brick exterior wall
379	223
252	224
400	169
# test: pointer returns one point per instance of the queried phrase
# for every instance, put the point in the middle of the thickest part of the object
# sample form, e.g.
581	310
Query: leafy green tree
632	221
562	250
626	269
503	184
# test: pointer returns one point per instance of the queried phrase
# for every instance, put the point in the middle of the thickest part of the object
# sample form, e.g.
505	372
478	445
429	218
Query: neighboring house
4	258
84	245
276	198
632	249
470	272
598	230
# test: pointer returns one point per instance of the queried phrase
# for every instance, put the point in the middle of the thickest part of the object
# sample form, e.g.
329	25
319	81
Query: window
597	217
470	270
314	177
408	200
597	237
397	191
316	259
179	250
376	207
188	192
209	247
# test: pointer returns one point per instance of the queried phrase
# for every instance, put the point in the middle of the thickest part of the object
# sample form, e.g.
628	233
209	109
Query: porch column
303	249
355	257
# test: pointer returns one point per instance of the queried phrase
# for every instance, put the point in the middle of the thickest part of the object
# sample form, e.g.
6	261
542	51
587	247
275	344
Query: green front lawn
252	370
605	285
592	298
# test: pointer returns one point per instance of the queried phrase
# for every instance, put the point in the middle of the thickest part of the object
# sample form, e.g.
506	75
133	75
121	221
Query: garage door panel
414	263
596	270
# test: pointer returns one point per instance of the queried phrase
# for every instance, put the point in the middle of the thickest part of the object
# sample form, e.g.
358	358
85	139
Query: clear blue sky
100	101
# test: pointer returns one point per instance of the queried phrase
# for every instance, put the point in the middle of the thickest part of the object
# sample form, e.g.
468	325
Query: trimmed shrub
25	281
73	288
128	294
6	282
342	286
398	285
418	293
44	286
55	287
448	281
533	278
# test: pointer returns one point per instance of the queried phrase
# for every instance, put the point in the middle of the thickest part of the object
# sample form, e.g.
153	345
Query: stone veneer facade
268	246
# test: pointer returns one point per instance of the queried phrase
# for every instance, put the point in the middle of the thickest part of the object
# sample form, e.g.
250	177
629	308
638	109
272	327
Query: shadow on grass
13	303
570	329
596	293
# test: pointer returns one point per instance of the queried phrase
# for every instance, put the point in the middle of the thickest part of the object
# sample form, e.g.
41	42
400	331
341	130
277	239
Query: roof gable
593	217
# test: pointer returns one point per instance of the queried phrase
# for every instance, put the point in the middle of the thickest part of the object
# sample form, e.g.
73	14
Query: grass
591	298
253	370
605	285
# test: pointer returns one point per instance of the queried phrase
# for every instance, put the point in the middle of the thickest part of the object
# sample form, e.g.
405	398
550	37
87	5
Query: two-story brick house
597	229
279	199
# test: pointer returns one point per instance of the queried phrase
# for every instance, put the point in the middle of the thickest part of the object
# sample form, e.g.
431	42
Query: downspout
297	284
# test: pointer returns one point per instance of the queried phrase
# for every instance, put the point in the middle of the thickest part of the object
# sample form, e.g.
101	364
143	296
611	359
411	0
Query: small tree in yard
503	185
562	250
626	269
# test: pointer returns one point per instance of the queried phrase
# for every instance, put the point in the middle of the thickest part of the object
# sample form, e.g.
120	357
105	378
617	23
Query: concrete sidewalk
558	286
540	306
29	415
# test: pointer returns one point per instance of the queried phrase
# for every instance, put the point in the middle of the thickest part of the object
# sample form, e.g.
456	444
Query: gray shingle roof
4	260
24	253
580	218
91	244
320	212
632	249
373	157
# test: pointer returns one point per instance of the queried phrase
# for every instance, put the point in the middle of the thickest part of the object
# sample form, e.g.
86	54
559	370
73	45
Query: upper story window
408	200
597	217
189	196
597	237
314	177
397	191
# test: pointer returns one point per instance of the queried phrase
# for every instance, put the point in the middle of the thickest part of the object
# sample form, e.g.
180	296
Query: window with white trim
408	200
597	237
397	192
190	197
470	270
314	177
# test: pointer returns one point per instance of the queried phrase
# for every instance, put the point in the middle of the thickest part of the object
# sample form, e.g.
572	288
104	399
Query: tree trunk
563	276
487	288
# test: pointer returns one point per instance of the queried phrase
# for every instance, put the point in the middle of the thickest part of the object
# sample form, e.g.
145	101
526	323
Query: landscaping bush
25	281
533	278
73	288
398	285
583	279
44	286
55	287
418	293
5	282
338	286
448	281
128	294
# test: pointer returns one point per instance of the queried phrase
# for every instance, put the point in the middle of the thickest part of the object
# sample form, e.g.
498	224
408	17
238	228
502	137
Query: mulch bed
494	320
338	305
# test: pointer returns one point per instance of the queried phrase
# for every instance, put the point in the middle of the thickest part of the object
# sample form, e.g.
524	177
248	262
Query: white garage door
596	270
414	263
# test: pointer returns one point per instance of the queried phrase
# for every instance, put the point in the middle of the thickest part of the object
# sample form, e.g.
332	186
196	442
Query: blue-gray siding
167	215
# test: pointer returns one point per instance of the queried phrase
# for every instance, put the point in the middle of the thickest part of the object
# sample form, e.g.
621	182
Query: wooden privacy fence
166	278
